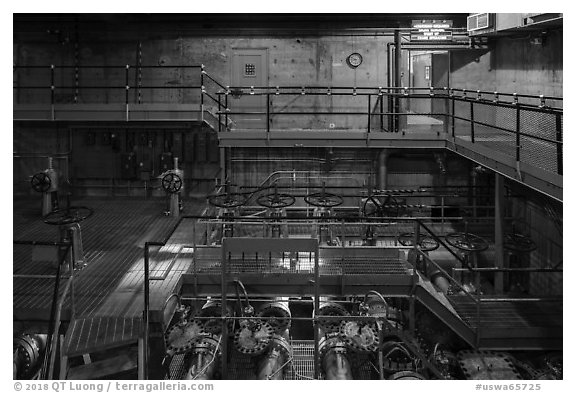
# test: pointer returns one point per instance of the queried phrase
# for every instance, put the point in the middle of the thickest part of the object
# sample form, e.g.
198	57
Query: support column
397	76
499	260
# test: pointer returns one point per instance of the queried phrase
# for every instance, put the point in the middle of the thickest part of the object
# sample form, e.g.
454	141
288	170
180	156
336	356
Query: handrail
49	360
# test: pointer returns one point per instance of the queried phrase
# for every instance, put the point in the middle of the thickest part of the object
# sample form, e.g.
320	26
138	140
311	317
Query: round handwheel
68	215
374	207
227	201
276	201
171	183
519	243
425	243
467	241
323	199
41	182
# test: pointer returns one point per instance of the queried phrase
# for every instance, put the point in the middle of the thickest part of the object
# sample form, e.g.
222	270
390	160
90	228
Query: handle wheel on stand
41	182
69	215
389	208
465	241
171	183
425	242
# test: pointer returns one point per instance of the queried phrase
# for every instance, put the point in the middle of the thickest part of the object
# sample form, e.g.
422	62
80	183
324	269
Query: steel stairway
504	325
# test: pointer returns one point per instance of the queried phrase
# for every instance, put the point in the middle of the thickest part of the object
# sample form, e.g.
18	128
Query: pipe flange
207	343
181	338
331	342
280	343
213	309
278	315
29	349
361	337
332	310
253	340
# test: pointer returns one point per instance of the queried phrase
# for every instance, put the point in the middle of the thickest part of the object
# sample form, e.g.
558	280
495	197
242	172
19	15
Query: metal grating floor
510	315
113	240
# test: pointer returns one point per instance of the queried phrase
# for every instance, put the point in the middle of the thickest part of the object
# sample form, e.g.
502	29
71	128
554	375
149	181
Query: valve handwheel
69	215
389	208
228	200
519	243
425	243
467	241
276	200
171	183
41	182
323	199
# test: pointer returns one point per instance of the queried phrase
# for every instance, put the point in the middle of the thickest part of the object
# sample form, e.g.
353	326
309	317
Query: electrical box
128	166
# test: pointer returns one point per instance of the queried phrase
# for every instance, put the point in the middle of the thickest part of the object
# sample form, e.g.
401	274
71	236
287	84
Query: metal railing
49	360
526	127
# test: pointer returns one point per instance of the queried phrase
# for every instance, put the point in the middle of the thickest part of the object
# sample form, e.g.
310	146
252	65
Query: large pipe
204	359
28	353
336	365
382	173
272	365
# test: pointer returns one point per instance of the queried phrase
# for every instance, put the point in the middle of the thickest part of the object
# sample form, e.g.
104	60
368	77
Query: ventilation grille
478	21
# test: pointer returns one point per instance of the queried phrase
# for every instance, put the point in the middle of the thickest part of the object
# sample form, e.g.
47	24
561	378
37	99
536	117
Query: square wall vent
479	21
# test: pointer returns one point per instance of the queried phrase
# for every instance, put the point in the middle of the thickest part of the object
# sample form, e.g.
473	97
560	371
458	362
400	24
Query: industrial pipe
205	355
277	357
334	359
382	173
28	353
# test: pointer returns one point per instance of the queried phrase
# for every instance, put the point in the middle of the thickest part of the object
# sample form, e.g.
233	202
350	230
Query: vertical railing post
219	113
316	308
202	90
369	106
472	121
224	289
52	92
146	307
453	112
267	111
446	111
226	107
517	134
381	96
390	110
559	158
127	90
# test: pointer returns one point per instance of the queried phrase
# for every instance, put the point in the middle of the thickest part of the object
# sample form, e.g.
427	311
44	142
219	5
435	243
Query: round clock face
354	60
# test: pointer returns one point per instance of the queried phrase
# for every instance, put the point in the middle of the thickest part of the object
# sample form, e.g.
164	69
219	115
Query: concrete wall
292	61
512	64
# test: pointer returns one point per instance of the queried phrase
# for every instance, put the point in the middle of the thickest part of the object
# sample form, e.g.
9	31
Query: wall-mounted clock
354	60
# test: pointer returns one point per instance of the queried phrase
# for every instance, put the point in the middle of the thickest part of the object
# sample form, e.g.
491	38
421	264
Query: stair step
100	333
104	368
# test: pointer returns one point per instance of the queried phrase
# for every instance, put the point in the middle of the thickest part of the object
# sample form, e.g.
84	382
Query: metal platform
113	239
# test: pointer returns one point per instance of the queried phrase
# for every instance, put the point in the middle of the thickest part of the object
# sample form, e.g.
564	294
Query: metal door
249	68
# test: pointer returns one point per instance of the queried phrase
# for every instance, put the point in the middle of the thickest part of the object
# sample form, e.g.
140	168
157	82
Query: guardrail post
559	157
267	111
226	107
202	90
381	96
146	307
127	90
453	111
369	106
472	121
517	134
219	113
52	92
